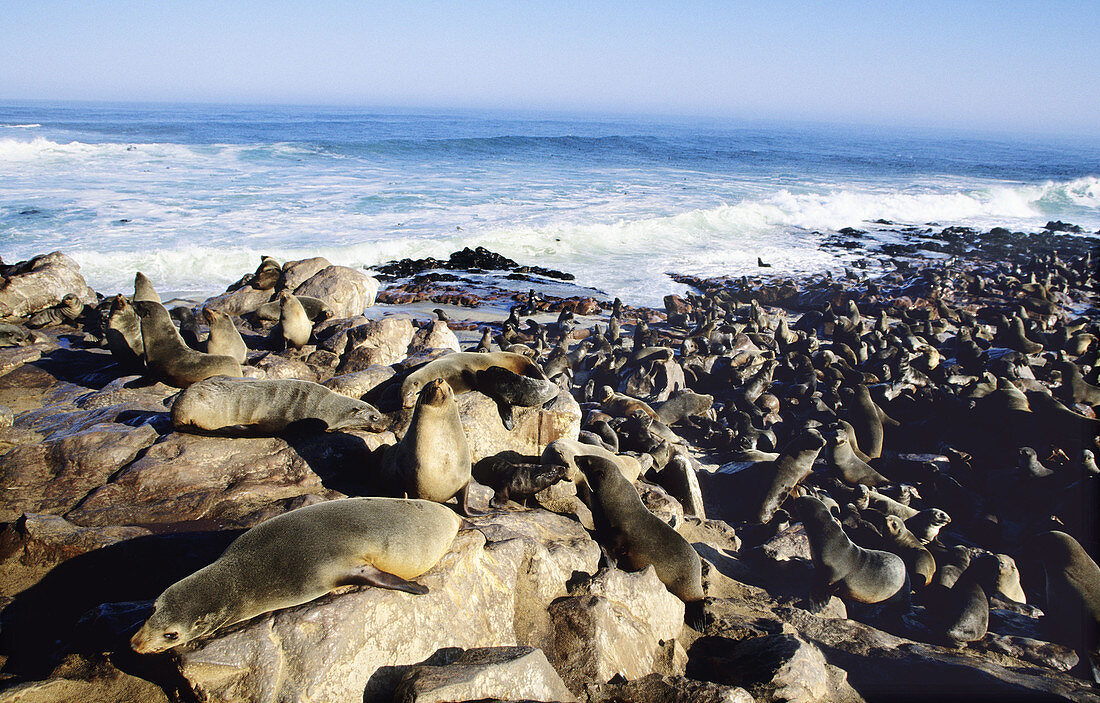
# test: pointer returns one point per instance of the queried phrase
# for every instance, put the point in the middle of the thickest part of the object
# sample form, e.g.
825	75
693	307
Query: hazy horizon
1009	67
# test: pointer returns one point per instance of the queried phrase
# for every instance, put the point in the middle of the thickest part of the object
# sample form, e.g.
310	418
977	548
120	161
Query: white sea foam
19	126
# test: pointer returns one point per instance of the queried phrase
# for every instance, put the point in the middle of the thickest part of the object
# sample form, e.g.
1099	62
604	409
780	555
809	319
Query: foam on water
194	200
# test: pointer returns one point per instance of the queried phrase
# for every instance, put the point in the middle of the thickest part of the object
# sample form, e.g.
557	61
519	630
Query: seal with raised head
515	481
224	338
299	556
247	406
432	460
845	569
124	333
795	463
1072	592
459	370
169	358
918	560
637	538
143	289
294	325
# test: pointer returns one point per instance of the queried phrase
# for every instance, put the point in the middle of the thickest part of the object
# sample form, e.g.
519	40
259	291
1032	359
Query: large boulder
617	623
346	291
53	476
534	427
507	673
295	273
41	283
355	645
435	335
191	477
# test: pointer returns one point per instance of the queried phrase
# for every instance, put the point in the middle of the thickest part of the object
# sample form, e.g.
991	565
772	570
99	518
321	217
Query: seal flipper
506	416
368	575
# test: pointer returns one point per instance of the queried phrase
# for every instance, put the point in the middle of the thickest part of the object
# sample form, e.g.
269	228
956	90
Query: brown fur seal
511	389
849	466
926	524
432	460
866	419
636	537
918	560
889	506
268	407
301	555
124	334
795	463
682	404
999	575
294	324
1072	590
224	338
459	370
172	360
959	614
143	289
621	405
844	569
565	452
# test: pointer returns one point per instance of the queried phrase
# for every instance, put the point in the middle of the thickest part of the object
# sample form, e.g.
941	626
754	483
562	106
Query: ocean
193	194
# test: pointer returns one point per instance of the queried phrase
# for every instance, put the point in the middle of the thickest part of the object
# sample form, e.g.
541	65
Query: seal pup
635	537
143	289
845	569
248	406
517	482
510	389
294	325
432	460
169	358
459	370
299	556
224	337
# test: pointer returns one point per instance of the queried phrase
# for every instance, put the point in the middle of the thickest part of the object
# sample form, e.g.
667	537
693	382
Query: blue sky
997	65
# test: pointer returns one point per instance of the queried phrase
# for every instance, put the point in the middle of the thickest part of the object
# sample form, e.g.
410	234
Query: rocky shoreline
951	371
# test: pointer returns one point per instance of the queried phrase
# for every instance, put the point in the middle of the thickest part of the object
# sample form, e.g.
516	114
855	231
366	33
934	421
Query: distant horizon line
579	113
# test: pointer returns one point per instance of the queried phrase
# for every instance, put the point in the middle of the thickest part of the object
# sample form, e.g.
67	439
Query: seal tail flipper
368	575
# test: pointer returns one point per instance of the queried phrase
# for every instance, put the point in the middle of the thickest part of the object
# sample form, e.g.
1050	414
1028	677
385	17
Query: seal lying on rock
242	406
637	537
517	482
298	556
459	371
510	389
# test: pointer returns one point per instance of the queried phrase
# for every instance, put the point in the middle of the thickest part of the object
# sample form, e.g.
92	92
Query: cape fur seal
432	460
169	358
301	555
843	568
239	405
294	324
459	370
795	463
636	537
1072	590
143	289
316	309
224	338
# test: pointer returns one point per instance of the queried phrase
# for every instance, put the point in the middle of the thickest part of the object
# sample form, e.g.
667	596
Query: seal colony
928	434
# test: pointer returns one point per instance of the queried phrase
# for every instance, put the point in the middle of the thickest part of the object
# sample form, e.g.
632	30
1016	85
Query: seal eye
171	636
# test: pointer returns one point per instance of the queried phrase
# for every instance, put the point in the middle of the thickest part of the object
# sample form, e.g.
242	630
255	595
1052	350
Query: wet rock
617	623
54	476
534	427
41	283
345	290
507	673
34	543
